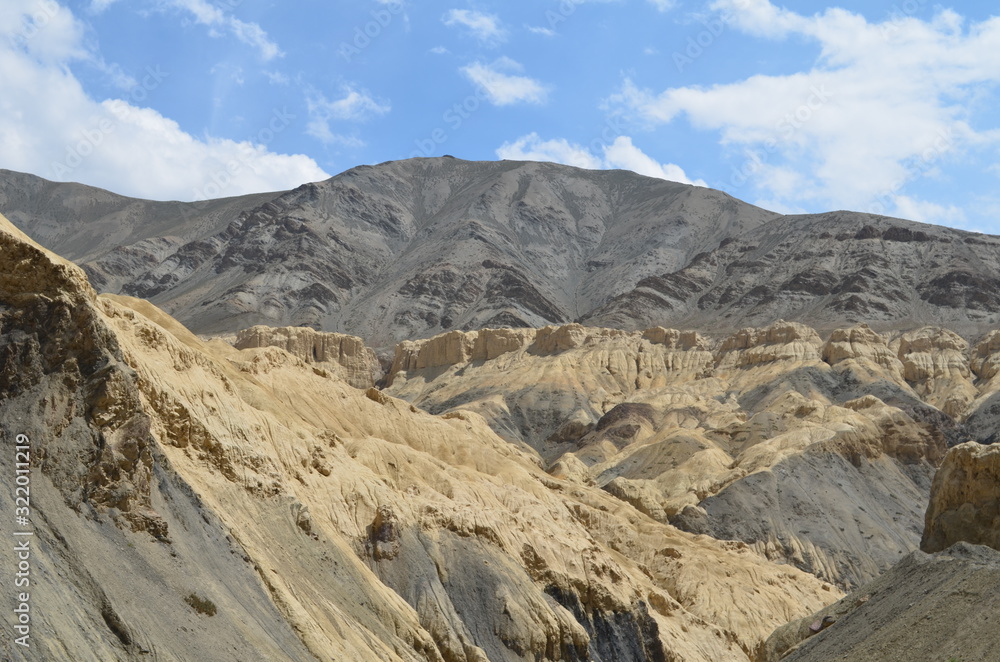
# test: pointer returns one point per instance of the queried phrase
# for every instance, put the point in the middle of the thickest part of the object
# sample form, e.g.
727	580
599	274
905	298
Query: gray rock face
409	249
826	270
839	521
400	250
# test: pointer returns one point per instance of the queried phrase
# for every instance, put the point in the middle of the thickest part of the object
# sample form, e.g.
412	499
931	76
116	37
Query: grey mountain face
826	270
412	248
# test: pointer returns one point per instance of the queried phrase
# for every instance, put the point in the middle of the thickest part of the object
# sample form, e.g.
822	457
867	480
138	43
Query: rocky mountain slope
409	249
939	603
83	223
190	500
404	249
928	607
826	270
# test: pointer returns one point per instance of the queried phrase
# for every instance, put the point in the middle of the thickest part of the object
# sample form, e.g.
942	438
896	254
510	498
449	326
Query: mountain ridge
408	249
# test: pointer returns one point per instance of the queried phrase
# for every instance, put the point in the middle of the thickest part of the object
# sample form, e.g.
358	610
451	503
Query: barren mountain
552	466
409	249
192	501
400	250
826	270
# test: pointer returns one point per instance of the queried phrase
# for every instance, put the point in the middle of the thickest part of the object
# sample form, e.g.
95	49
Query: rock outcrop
965	499
346	356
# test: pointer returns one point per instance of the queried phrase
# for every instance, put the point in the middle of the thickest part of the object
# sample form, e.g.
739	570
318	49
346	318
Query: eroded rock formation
965	499
346	356
817	452
322	521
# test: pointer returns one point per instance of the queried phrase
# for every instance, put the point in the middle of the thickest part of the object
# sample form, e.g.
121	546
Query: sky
885	106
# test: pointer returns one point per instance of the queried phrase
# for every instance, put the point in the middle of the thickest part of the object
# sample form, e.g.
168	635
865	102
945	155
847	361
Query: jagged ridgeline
409	249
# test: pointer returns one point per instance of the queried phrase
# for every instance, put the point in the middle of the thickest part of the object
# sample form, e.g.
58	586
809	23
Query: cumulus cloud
51	127
503	85
487	28
621	153
883	106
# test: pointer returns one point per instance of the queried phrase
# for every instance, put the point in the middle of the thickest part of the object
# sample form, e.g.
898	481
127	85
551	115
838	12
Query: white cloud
620	154
51	127
663	5
885	105
355	106
250	34
545	32
532	148
97	6
277	78
623	154
42	29
440	50
504	89
929	212
484	27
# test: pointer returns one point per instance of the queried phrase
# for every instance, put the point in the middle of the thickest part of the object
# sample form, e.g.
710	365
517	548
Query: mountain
83	223
456	411
826	270
394	251
193	501
409	249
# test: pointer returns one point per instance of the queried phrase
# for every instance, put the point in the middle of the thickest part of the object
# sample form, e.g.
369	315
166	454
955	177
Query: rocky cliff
345	356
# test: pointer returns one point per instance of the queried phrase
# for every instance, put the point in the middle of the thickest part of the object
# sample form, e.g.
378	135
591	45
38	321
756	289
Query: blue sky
885	106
